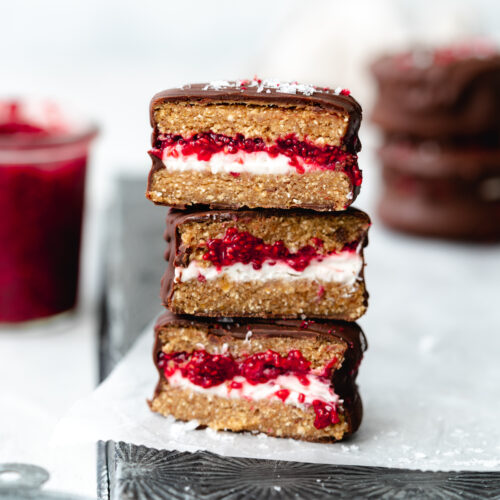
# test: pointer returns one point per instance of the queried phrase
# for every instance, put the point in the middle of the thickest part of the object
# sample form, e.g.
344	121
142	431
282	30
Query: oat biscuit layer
322	190
312	299
271	418
252	120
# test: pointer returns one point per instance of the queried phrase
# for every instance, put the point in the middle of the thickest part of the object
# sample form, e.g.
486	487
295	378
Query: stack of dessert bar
439	111
265	258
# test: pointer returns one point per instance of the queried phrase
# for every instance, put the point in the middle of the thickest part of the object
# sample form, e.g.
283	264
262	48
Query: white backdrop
109	57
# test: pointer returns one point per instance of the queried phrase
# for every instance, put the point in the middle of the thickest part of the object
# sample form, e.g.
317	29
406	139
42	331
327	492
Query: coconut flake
219	85
267	86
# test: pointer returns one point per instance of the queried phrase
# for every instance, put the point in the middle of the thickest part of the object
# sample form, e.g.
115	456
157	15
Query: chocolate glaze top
427	98
238	328
268	92
176	217
447	81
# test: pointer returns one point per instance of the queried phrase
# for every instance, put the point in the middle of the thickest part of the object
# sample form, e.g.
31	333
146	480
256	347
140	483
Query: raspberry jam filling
43	160
242	247
263	375
300	154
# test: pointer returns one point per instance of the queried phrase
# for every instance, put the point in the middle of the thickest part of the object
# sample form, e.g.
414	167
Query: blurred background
108	58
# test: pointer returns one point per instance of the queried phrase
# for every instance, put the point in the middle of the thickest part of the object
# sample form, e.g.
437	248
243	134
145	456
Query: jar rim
30	142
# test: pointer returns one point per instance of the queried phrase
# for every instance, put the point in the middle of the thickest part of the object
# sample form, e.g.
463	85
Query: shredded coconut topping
219	85
278	86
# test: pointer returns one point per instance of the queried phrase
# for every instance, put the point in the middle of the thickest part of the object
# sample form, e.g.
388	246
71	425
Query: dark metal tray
136	472
132	269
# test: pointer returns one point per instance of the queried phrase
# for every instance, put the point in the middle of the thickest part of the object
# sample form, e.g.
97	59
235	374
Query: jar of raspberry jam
43	159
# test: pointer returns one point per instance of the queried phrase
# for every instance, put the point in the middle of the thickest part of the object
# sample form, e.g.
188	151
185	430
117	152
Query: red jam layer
206	144
243	247
208	370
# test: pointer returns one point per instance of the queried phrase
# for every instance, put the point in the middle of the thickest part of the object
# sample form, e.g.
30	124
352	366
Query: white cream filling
317	388
258	163
342	268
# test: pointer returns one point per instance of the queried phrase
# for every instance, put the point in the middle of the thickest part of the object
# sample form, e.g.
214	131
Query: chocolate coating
483	191
452	218
324	99
176	254
438	100
237	328
432	161
441	173
440	113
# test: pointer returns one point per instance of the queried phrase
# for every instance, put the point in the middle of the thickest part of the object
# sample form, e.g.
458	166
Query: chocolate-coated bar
256	144
266	263
284	378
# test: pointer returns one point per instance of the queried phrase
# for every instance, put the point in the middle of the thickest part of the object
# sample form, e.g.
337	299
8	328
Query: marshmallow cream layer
317	389
257	163
342	268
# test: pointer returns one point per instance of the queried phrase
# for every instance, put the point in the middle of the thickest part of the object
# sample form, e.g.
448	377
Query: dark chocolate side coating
485	191
343	379
430	160
455	218
454	99
323	99
176	254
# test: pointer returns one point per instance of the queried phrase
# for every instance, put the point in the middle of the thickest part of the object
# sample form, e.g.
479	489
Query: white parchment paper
430	380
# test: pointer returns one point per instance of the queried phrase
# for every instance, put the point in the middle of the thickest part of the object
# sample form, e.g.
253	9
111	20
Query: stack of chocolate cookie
439	111
265	260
